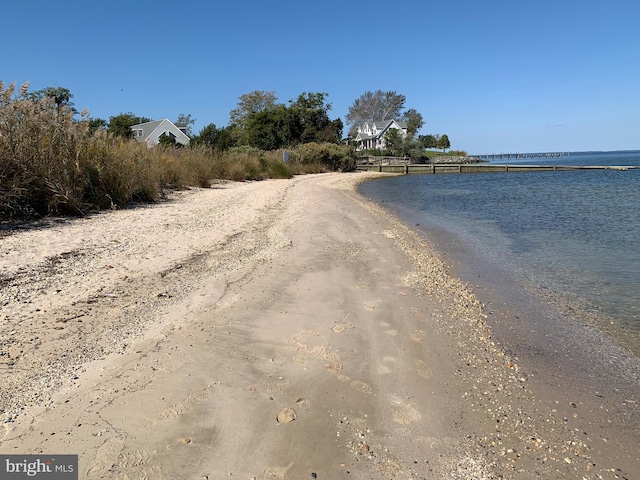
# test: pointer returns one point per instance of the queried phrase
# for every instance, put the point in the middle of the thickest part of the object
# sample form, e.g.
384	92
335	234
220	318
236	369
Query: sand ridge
278	329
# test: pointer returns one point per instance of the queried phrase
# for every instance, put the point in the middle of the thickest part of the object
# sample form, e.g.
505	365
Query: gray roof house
151	132
371	134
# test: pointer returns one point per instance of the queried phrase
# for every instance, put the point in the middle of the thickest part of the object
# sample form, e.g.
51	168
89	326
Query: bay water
570	239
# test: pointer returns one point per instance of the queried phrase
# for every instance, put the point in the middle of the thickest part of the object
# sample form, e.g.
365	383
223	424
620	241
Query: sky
496	76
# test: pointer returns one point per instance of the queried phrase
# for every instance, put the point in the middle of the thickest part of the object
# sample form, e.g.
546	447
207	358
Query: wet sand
283	329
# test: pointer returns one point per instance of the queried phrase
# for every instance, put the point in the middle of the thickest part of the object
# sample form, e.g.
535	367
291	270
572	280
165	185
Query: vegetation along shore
56	160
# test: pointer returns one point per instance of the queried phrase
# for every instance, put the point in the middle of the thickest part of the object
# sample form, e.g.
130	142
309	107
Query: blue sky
495	76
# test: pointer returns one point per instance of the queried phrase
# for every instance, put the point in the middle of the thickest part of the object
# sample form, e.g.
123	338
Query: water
570	238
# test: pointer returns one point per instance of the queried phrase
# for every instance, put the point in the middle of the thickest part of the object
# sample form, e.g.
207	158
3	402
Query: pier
433	168
502	156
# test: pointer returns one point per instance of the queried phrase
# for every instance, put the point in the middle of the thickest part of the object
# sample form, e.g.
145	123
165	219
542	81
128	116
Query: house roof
149	128
381	128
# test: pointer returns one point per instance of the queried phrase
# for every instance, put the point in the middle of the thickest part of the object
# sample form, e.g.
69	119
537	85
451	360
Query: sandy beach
284	329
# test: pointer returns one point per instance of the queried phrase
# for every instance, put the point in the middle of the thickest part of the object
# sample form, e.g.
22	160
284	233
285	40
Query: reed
51	163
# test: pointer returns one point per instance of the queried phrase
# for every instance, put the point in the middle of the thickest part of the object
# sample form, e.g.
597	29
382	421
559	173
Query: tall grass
50	163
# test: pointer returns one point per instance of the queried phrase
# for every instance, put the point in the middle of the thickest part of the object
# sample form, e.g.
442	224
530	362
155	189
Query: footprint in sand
276	473
342	327
405	413
107	456
369	305
333	367
423	370
386	365
186	404
361	386
418	336
134	458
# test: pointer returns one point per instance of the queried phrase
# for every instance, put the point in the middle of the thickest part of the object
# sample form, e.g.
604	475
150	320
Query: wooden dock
502	156
432	168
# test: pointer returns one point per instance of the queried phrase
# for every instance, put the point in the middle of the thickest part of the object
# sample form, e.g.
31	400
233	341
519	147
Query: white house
151	132
371	134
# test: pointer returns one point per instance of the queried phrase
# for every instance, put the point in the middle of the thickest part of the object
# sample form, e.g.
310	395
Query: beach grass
51	163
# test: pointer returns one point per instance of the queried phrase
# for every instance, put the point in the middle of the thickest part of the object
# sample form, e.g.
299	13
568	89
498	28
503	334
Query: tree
168	140
187	121
414	121
374	107
207	135
61	97
393	141
444	143
96	124
332	132
304	120
271	129
120	125
428	141
250	104
310	114
214	137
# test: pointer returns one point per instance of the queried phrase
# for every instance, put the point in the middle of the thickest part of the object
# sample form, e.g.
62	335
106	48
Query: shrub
330	155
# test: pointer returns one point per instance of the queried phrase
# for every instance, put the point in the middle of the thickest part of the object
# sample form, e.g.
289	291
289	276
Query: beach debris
286	415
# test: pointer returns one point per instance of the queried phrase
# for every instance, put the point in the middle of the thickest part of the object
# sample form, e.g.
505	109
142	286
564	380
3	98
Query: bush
330	155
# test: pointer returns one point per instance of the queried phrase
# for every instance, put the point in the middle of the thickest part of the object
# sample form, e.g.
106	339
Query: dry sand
282	329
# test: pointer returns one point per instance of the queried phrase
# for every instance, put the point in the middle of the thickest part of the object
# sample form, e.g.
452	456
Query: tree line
54	159
259	120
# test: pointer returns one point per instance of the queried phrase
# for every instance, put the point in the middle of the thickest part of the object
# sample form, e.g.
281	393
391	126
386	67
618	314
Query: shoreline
207	319
566	351
513	305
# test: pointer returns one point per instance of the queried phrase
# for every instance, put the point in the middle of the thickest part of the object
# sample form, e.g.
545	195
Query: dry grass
51	164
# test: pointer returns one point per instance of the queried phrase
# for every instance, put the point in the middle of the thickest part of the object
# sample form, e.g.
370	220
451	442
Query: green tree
167	140
332	132
214	137
310	114
188	121
414	121
428	141
96	124
120	125
306	119
250	104
61	97
444	143
271	129
393	141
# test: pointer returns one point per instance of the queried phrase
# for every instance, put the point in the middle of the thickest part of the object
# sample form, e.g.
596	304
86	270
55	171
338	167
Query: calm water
569	237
